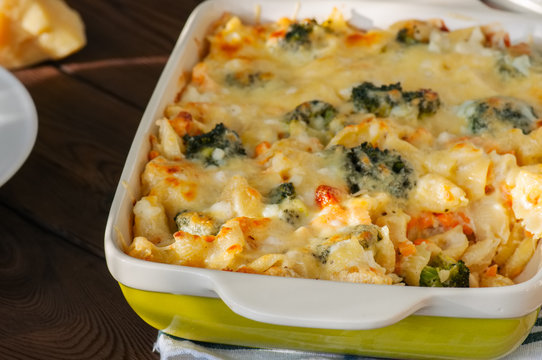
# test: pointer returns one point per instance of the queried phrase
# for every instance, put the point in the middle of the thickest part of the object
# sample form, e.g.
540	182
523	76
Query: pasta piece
335	215
350	255
244	199
385	251
170	142
372	131
491	226
396	222
410	267
479	255
437	194
228	247
495	280
515	264
179	185
150	220
465	165
508	246
265	262
452	242
490	219
527	198
188	252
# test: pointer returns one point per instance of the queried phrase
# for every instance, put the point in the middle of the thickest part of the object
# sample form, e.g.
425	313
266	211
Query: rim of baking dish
309	302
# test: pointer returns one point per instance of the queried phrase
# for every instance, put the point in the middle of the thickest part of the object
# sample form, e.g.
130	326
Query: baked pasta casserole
408	155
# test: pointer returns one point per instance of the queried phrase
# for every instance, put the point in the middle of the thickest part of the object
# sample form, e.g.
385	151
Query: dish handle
329	305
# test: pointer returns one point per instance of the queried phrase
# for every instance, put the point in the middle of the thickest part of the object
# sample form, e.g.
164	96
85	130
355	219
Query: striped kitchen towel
173	348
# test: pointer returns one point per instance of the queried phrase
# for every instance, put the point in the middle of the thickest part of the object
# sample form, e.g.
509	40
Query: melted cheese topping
406	155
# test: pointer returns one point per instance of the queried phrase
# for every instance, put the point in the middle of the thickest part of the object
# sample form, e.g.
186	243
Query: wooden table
57	297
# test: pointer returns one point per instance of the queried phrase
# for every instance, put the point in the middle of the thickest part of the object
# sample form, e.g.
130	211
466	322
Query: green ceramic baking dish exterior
304	314
415	337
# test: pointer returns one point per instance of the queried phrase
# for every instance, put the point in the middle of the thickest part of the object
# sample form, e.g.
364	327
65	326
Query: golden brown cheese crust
323	151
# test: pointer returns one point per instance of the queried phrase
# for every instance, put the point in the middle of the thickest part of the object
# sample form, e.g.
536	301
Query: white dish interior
305	302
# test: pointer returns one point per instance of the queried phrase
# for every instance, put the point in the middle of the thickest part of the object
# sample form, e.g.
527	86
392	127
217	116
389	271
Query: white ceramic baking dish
306	303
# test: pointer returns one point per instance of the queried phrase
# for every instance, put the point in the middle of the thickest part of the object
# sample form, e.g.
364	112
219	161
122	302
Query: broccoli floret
455	273
291	209
519	115
377	100
415	32
429	277
196	223
406	36
507	70
513	67
214	147
382	100
374	169
298	35
321	252
491	114
316	114
247	80
367	235
282	192
426	100
478	118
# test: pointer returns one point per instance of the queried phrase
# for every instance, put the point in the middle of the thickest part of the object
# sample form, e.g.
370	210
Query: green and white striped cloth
172	348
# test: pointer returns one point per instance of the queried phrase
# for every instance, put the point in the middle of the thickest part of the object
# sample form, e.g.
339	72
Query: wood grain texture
88	110
57	298
68	182
128	44
59	302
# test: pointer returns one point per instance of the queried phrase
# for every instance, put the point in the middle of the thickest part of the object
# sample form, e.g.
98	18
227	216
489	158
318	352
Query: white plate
18	125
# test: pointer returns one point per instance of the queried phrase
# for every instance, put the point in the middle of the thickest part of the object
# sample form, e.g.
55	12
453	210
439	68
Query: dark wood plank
59	302
87	116
57	298
128	44
68	182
